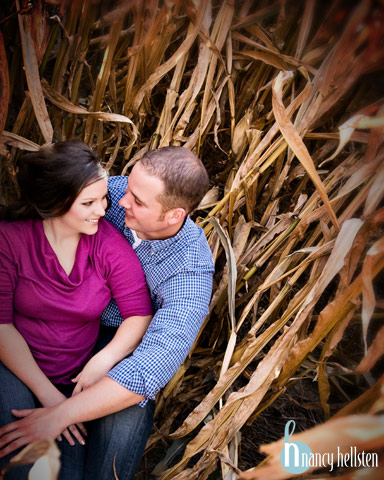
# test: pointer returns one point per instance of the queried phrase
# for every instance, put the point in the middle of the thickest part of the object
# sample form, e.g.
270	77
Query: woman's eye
87	204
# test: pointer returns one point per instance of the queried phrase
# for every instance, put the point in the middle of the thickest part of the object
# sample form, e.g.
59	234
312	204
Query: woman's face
87	209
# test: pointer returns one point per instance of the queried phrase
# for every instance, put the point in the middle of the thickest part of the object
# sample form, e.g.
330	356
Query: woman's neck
63	242
58	233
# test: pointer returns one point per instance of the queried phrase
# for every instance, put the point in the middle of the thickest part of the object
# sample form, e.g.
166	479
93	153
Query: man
163	188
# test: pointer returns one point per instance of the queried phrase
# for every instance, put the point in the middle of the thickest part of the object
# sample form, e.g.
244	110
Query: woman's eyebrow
87	199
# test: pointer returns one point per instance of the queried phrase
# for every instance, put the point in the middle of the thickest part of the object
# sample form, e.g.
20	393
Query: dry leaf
295	142
4	85
33	78
44	454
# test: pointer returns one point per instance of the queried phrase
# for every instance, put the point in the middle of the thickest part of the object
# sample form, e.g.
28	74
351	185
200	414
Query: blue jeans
118	439
14	394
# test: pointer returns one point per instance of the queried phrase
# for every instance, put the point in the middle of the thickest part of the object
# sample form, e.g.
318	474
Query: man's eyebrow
134	195
137	198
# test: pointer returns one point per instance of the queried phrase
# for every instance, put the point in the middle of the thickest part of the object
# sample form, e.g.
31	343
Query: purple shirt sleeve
124	274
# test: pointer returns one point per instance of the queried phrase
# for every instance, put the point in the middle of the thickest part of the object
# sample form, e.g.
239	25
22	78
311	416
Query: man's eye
137	202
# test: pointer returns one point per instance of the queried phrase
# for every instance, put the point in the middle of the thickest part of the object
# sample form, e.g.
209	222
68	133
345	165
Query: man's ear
176	215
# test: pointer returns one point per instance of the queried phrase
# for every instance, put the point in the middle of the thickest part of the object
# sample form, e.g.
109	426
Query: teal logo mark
295	456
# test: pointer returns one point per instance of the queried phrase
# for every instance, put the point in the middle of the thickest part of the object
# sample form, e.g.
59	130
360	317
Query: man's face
143	211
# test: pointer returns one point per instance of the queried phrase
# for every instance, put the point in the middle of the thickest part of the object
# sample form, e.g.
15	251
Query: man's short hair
184	176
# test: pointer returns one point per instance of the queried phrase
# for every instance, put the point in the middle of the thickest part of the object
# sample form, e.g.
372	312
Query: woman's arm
17	357
126	339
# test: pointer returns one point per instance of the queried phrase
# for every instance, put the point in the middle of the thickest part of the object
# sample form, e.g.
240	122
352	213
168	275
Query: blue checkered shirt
179	273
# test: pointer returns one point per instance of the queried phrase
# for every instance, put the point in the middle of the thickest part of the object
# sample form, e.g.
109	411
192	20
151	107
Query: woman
60	263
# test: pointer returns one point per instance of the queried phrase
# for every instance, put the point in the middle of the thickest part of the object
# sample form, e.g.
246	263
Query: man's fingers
5	432
22	413
11	441
11	447
8	437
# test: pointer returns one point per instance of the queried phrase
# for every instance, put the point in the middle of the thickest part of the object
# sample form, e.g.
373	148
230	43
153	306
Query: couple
60	264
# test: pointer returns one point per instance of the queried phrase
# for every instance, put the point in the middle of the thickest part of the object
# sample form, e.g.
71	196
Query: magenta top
59	315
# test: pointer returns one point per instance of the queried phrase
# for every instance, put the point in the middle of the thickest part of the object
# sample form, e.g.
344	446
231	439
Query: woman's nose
100	210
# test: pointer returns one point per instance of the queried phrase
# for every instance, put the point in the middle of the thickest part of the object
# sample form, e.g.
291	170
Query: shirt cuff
127	375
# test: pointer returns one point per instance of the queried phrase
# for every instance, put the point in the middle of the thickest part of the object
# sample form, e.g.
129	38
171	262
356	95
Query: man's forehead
144	186
141	175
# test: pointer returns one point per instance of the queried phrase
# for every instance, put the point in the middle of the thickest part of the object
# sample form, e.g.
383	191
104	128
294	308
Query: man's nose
125	201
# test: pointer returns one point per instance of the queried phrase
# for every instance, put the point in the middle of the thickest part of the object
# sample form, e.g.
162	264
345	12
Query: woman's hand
126	339
95	369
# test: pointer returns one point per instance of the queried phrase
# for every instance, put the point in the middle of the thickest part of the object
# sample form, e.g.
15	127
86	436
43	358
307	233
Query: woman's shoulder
106	229
110	238
111	246
19	236
17	228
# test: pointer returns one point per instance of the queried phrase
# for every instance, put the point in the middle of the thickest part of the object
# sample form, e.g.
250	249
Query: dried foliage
283	103
44	454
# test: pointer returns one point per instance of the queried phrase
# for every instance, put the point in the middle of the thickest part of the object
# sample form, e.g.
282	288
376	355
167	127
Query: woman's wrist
51	397
109	356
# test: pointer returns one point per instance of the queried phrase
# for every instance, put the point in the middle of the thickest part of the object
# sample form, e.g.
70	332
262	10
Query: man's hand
34	425
55	398
103	398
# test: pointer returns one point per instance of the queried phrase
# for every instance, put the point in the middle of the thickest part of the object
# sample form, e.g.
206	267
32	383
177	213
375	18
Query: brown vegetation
283	103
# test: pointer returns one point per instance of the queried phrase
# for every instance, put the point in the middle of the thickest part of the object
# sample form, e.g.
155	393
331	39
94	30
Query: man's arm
102	398
170	335
126	339
135	379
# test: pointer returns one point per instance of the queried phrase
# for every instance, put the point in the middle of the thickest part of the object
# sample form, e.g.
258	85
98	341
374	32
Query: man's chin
129	222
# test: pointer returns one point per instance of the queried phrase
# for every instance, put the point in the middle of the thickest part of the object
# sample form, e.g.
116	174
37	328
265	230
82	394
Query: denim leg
14	394
121	436
72	460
